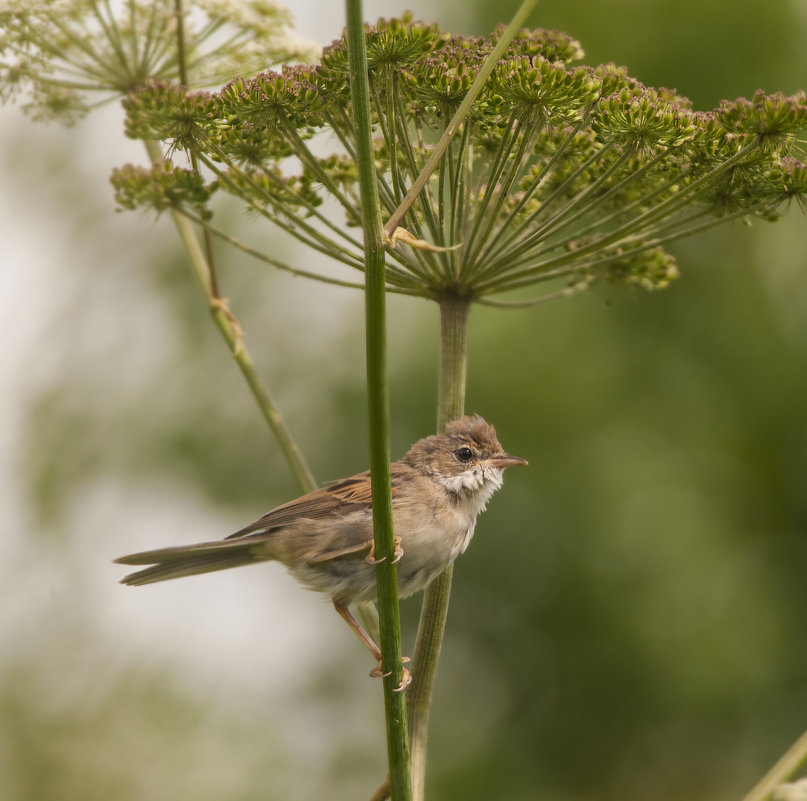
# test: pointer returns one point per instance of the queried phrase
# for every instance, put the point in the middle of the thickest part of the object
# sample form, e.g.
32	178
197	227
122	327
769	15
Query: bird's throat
473	487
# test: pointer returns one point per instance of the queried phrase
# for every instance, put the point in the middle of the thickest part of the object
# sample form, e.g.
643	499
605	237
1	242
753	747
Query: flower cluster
162	187
62	51
559	172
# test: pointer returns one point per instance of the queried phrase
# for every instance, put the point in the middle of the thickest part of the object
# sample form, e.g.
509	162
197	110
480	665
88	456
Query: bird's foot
396	556
378	673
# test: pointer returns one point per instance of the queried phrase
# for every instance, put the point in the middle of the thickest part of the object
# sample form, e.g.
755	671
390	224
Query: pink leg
369	643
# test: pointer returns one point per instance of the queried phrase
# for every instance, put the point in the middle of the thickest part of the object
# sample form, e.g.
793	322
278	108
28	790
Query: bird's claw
406	678
396	556
398	552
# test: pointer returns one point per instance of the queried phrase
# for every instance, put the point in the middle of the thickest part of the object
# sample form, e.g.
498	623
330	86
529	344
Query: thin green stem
586	258
310	236
459	116
558	221
181	56
378	411
511	234
181	47
487	211
231	332
112	34
572	289
786	768
309	160
503	250
460	189
280	265
149	43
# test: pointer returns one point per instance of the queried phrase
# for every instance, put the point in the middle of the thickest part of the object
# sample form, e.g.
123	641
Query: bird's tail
189	560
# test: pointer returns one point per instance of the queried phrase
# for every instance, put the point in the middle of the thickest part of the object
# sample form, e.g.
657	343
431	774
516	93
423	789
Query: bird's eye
464	454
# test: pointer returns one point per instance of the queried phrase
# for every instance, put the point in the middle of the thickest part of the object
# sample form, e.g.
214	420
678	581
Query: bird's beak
506	460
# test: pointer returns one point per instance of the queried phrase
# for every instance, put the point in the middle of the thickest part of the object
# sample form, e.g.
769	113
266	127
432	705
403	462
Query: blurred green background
629	622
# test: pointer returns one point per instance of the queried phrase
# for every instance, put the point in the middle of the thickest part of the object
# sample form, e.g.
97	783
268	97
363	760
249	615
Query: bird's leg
369	644
359	630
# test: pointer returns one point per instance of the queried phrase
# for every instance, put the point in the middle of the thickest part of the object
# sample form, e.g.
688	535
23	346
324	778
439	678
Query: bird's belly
344	579
427	552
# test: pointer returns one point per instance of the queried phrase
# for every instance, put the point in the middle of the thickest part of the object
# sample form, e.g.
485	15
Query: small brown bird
325	538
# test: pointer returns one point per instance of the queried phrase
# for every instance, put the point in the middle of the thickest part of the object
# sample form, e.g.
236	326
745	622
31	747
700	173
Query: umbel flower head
62	52
565	173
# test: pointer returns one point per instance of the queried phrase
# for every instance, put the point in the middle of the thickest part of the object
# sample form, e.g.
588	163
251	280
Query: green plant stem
784	770
378	411
231	332
454	313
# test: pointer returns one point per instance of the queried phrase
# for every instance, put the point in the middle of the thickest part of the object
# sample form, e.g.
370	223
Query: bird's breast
430	541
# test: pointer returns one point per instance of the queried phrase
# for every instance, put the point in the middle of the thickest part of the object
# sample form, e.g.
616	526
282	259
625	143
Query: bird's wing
350	496
343	497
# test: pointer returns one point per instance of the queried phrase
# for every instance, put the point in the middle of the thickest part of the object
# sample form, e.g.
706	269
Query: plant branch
378	411
792	760
261	256
231	331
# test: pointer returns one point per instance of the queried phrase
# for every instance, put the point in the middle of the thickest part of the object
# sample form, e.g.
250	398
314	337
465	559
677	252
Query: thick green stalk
231	331
784	770
378	411
454	314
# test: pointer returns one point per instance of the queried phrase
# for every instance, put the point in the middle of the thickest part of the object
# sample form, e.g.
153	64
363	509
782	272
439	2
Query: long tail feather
188	560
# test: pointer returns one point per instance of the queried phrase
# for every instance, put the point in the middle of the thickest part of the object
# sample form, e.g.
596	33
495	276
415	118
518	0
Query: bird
325	537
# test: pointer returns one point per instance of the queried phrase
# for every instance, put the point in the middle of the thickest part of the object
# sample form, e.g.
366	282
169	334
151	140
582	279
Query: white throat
474	486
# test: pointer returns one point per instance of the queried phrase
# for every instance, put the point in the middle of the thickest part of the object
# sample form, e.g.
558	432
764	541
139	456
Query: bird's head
467	459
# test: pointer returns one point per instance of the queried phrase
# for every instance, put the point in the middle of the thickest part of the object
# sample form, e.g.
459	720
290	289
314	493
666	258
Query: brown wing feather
341	498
